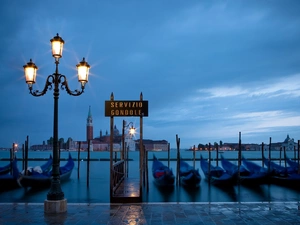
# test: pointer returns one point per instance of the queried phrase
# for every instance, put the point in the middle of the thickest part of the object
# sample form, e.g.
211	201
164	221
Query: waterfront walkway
155	213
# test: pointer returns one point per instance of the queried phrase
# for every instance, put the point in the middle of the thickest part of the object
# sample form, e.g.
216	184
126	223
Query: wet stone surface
155	213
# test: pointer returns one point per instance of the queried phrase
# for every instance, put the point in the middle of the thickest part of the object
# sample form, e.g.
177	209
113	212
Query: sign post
125	108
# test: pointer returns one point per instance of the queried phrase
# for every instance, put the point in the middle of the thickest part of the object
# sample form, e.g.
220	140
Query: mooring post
26	155
217	158
111	151
209	160
240	155
298	157
262	154
194	156
147	175
280	153
269	162
88	165
144	166
284	152
169	155
11	158
141	149
178	159
78	159
23	156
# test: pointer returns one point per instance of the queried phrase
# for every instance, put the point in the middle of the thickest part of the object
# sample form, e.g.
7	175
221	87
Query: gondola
241	174
42	180
285	176
5	169
214	174
292	163
163	175
45	168
278	170
253	167
189	176
8	181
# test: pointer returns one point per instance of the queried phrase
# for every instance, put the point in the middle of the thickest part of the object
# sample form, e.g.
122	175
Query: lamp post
131	132
55	80
124	147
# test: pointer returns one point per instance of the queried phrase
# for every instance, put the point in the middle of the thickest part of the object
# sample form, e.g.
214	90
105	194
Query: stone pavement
155	213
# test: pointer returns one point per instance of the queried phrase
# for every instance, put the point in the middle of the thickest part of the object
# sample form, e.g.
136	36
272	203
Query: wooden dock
127	192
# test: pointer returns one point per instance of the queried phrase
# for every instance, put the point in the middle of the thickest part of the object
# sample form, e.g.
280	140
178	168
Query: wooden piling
269	162
284	152
111	141
280	155
209	159
11	157
240	154
141	149
194	156
147	174
262	152
217	157
169	155
78	158
26	155
144	166
178	158
13	151
298	157
88	165
23	156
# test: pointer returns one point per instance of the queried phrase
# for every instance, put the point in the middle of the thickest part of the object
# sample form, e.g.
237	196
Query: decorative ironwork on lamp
58	81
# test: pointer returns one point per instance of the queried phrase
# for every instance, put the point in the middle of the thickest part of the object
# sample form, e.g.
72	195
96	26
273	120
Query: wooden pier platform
127	192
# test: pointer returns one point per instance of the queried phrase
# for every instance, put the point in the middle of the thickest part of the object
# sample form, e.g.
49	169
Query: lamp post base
55	206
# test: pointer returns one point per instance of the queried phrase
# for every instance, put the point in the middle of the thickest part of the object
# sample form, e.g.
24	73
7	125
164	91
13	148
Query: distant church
289	143
89	126
102	142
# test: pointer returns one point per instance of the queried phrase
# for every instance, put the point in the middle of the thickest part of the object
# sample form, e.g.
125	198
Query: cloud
224	92
268	119
288	86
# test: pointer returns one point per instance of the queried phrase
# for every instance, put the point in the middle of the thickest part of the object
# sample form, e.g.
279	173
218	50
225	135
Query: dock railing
118	174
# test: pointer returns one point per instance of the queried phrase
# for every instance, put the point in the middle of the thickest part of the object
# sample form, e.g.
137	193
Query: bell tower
89	126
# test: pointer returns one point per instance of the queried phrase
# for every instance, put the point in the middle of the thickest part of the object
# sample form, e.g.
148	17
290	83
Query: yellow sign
126	108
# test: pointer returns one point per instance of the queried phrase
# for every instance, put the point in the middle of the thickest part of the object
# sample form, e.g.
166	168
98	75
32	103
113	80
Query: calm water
76	190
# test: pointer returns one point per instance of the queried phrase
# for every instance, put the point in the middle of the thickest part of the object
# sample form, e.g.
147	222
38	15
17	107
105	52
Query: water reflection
76	190
229	191
193	194
257	192
164	193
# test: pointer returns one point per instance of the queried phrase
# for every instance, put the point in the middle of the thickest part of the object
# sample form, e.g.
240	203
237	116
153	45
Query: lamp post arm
48	85
64	86
131	123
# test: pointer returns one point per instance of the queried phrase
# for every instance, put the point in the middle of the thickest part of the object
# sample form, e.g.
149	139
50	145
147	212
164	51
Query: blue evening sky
209	69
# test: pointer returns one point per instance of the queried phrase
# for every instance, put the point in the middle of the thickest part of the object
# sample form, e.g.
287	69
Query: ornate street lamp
131	131
124	154
55	80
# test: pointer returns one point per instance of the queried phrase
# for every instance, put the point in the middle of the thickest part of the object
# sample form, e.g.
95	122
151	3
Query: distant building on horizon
288	143
102	142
